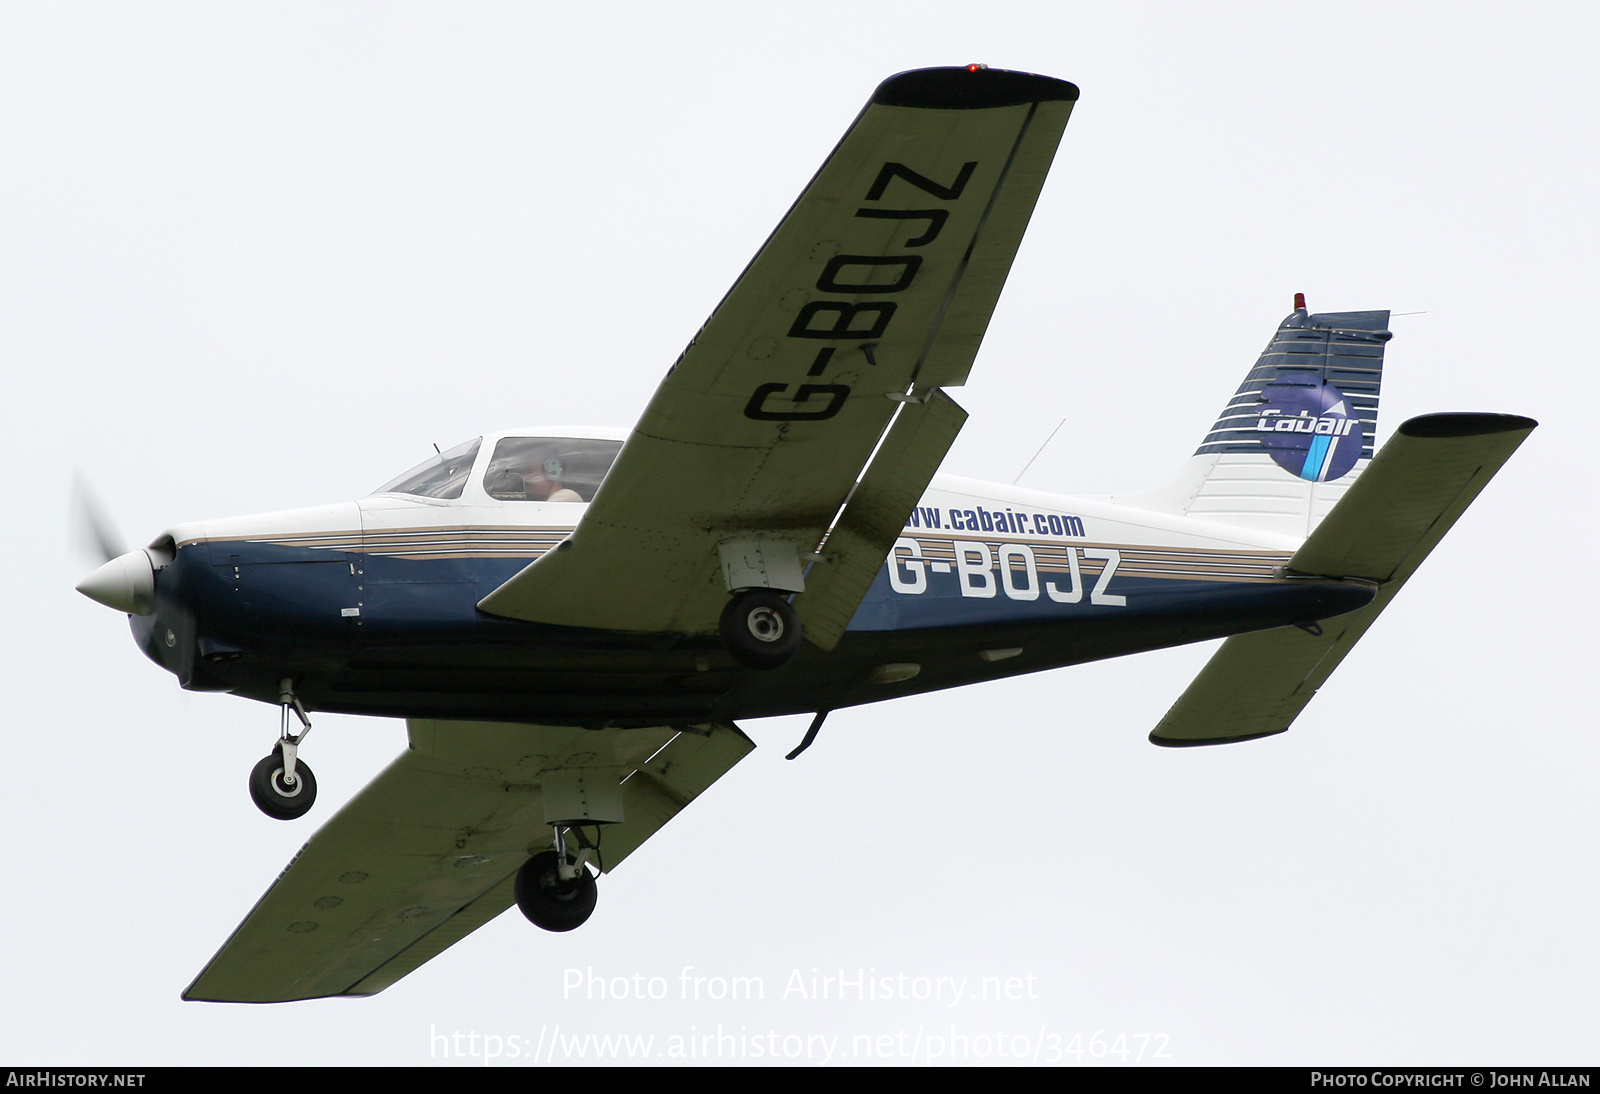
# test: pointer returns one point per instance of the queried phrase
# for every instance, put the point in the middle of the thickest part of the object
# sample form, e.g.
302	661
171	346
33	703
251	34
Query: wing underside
876	288
429	850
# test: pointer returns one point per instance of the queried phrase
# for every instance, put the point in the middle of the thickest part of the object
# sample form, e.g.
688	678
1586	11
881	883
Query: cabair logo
1309	427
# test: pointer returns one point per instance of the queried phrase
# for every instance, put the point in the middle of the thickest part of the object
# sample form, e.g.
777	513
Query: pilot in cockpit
545	482
539	482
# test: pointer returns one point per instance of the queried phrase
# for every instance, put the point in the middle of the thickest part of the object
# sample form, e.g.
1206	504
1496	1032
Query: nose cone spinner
126	583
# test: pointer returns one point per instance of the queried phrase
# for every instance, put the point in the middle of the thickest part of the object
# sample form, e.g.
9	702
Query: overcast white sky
259	256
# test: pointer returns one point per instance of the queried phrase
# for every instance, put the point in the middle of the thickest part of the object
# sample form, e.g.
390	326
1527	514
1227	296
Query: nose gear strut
282	785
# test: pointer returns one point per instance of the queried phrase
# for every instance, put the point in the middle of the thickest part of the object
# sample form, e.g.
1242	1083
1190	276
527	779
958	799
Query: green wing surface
877	285
429	850
1257	684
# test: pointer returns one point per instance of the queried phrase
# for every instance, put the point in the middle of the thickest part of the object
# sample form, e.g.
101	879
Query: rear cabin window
442	477
548	468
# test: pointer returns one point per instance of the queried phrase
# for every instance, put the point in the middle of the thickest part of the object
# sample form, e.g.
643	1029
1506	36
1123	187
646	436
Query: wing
876	288
1399	509
429	850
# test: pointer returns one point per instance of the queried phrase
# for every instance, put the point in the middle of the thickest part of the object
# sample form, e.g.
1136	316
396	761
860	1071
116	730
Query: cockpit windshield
548	468
442	477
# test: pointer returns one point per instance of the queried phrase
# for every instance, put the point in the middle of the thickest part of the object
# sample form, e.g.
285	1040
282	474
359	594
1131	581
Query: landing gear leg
282	785
555	889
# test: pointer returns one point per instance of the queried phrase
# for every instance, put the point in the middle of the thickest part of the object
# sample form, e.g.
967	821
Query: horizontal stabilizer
1255	685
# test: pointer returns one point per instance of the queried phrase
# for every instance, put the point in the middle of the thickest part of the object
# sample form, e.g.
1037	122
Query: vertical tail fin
1296	433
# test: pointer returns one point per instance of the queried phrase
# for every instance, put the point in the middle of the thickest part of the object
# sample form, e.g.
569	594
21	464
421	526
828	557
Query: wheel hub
760	629
766	625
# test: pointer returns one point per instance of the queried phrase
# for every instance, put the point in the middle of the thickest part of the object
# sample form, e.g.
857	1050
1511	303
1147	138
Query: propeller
93	531
126	580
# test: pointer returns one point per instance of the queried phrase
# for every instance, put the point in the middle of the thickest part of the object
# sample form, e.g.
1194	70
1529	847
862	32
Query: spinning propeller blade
92	527
126	579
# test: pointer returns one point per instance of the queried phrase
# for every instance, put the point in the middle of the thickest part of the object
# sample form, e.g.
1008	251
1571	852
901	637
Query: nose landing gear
282	785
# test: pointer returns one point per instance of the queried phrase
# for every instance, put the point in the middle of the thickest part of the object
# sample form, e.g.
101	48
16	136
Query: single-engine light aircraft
572	621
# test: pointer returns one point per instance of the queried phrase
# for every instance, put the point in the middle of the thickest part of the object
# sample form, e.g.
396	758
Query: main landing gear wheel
278	797
550	902
760	629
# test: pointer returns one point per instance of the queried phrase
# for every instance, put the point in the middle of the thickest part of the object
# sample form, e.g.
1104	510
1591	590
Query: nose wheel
279	794
282	785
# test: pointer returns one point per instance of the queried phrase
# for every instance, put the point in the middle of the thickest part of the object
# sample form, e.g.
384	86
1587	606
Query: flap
875	516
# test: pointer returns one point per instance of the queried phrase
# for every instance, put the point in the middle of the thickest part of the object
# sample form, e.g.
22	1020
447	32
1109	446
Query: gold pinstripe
465	542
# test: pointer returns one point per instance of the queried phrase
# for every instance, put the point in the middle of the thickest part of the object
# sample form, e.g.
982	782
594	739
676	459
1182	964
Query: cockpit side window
442	477
548	468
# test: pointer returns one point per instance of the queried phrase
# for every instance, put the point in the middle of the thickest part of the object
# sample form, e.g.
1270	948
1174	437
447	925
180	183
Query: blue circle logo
1309	428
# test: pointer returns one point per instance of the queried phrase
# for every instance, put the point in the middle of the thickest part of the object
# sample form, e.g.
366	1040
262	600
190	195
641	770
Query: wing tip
1195	742
1465	425
971	88
190	995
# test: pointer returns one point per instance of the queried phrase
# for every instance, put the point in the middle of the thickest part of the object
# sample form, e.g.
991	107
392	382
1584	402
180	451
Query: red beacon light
976	68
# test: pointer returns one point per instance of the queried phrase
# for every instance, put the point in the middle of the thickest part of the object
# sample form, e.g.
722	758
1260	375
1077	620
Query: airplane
572	620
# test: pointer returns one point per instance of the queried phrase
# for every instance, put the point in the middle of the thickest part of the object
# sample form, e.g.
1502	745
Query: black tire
276	800
549	902
760	629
